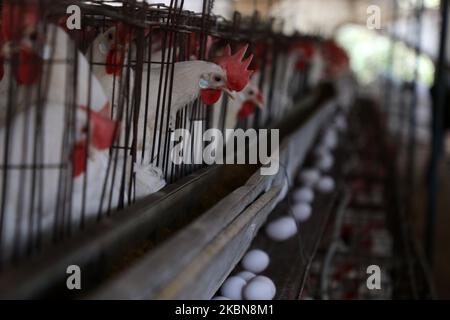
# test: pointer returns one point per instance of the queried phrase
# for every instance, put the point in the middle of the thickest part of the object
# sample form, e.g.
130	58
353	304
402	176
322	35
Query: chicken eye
110	36
217	79
251	92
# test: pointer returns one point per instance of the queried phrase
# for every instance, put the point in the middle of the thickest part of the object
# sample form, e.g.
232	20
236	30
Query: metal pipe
438	110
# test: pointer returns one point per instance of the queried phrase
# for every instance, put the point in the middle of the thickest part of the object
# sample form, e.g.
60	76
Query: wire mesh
87	115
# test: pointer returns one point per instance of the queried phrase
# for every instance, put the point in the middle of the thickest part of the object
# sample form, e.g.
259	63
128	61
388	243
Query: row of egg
247	284
310	179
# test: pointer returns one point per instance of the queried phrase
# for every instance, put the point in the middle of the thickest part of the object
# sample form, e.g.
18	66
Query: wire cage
82	139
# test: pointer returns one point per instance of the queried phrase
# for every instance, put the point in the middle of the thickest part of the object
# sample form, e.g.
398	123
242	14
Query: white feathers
255	261
149	179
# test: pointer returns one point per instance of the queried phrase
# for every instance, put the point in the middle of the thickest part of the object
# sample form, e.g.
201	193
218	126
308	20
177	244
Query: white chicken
37	175
191	79
109	54
39	136
42	58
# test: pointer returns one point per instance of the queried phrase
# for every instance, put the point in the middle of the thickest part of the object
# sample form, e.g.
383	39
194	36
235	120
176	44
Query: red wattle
103	131
210	96
114	62
301	65
246	110
29	68
79	156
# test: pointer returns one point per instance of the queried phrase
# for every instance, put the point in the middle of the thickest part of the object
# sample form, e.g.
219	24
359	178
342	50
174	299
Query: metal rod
438	111
388	84
411	148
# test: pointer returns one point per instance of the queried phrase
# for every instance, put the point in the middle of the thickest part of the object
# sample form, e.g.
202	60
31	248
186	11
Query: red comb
237	73
124	33
306	48
18	16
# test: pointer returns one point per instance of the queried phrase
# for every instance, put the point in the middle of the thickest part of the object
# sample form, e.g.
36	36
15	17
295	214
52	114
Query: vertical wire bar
391	58
136	99
411	151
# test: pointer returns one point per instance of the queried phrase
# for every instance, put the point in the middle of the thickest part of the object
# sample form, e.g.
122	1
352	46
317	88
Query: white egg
326	184
232	288
301	211
304	194
260	288
340	123
255	261
220	298
321	150
269	281
309	177
325	162
281	229
246	275
330	138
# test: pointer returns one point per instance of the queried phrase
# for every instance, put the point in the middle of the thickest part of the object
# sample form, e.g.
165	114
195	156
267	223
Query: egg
301	211
326	184
320	150
269	281
220	298
309	177
255	261
325	162
330	138
246	275
340	123
260	288
281	229
304	194
232	288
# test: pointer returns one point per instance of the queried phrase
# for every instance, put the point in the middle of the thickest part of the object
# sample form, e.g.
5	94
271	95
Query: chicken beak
7	49
229	93
259	101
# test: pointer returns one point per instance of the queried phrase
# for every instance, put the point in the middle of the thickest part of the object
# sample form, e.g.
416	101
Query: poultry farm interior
225	150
